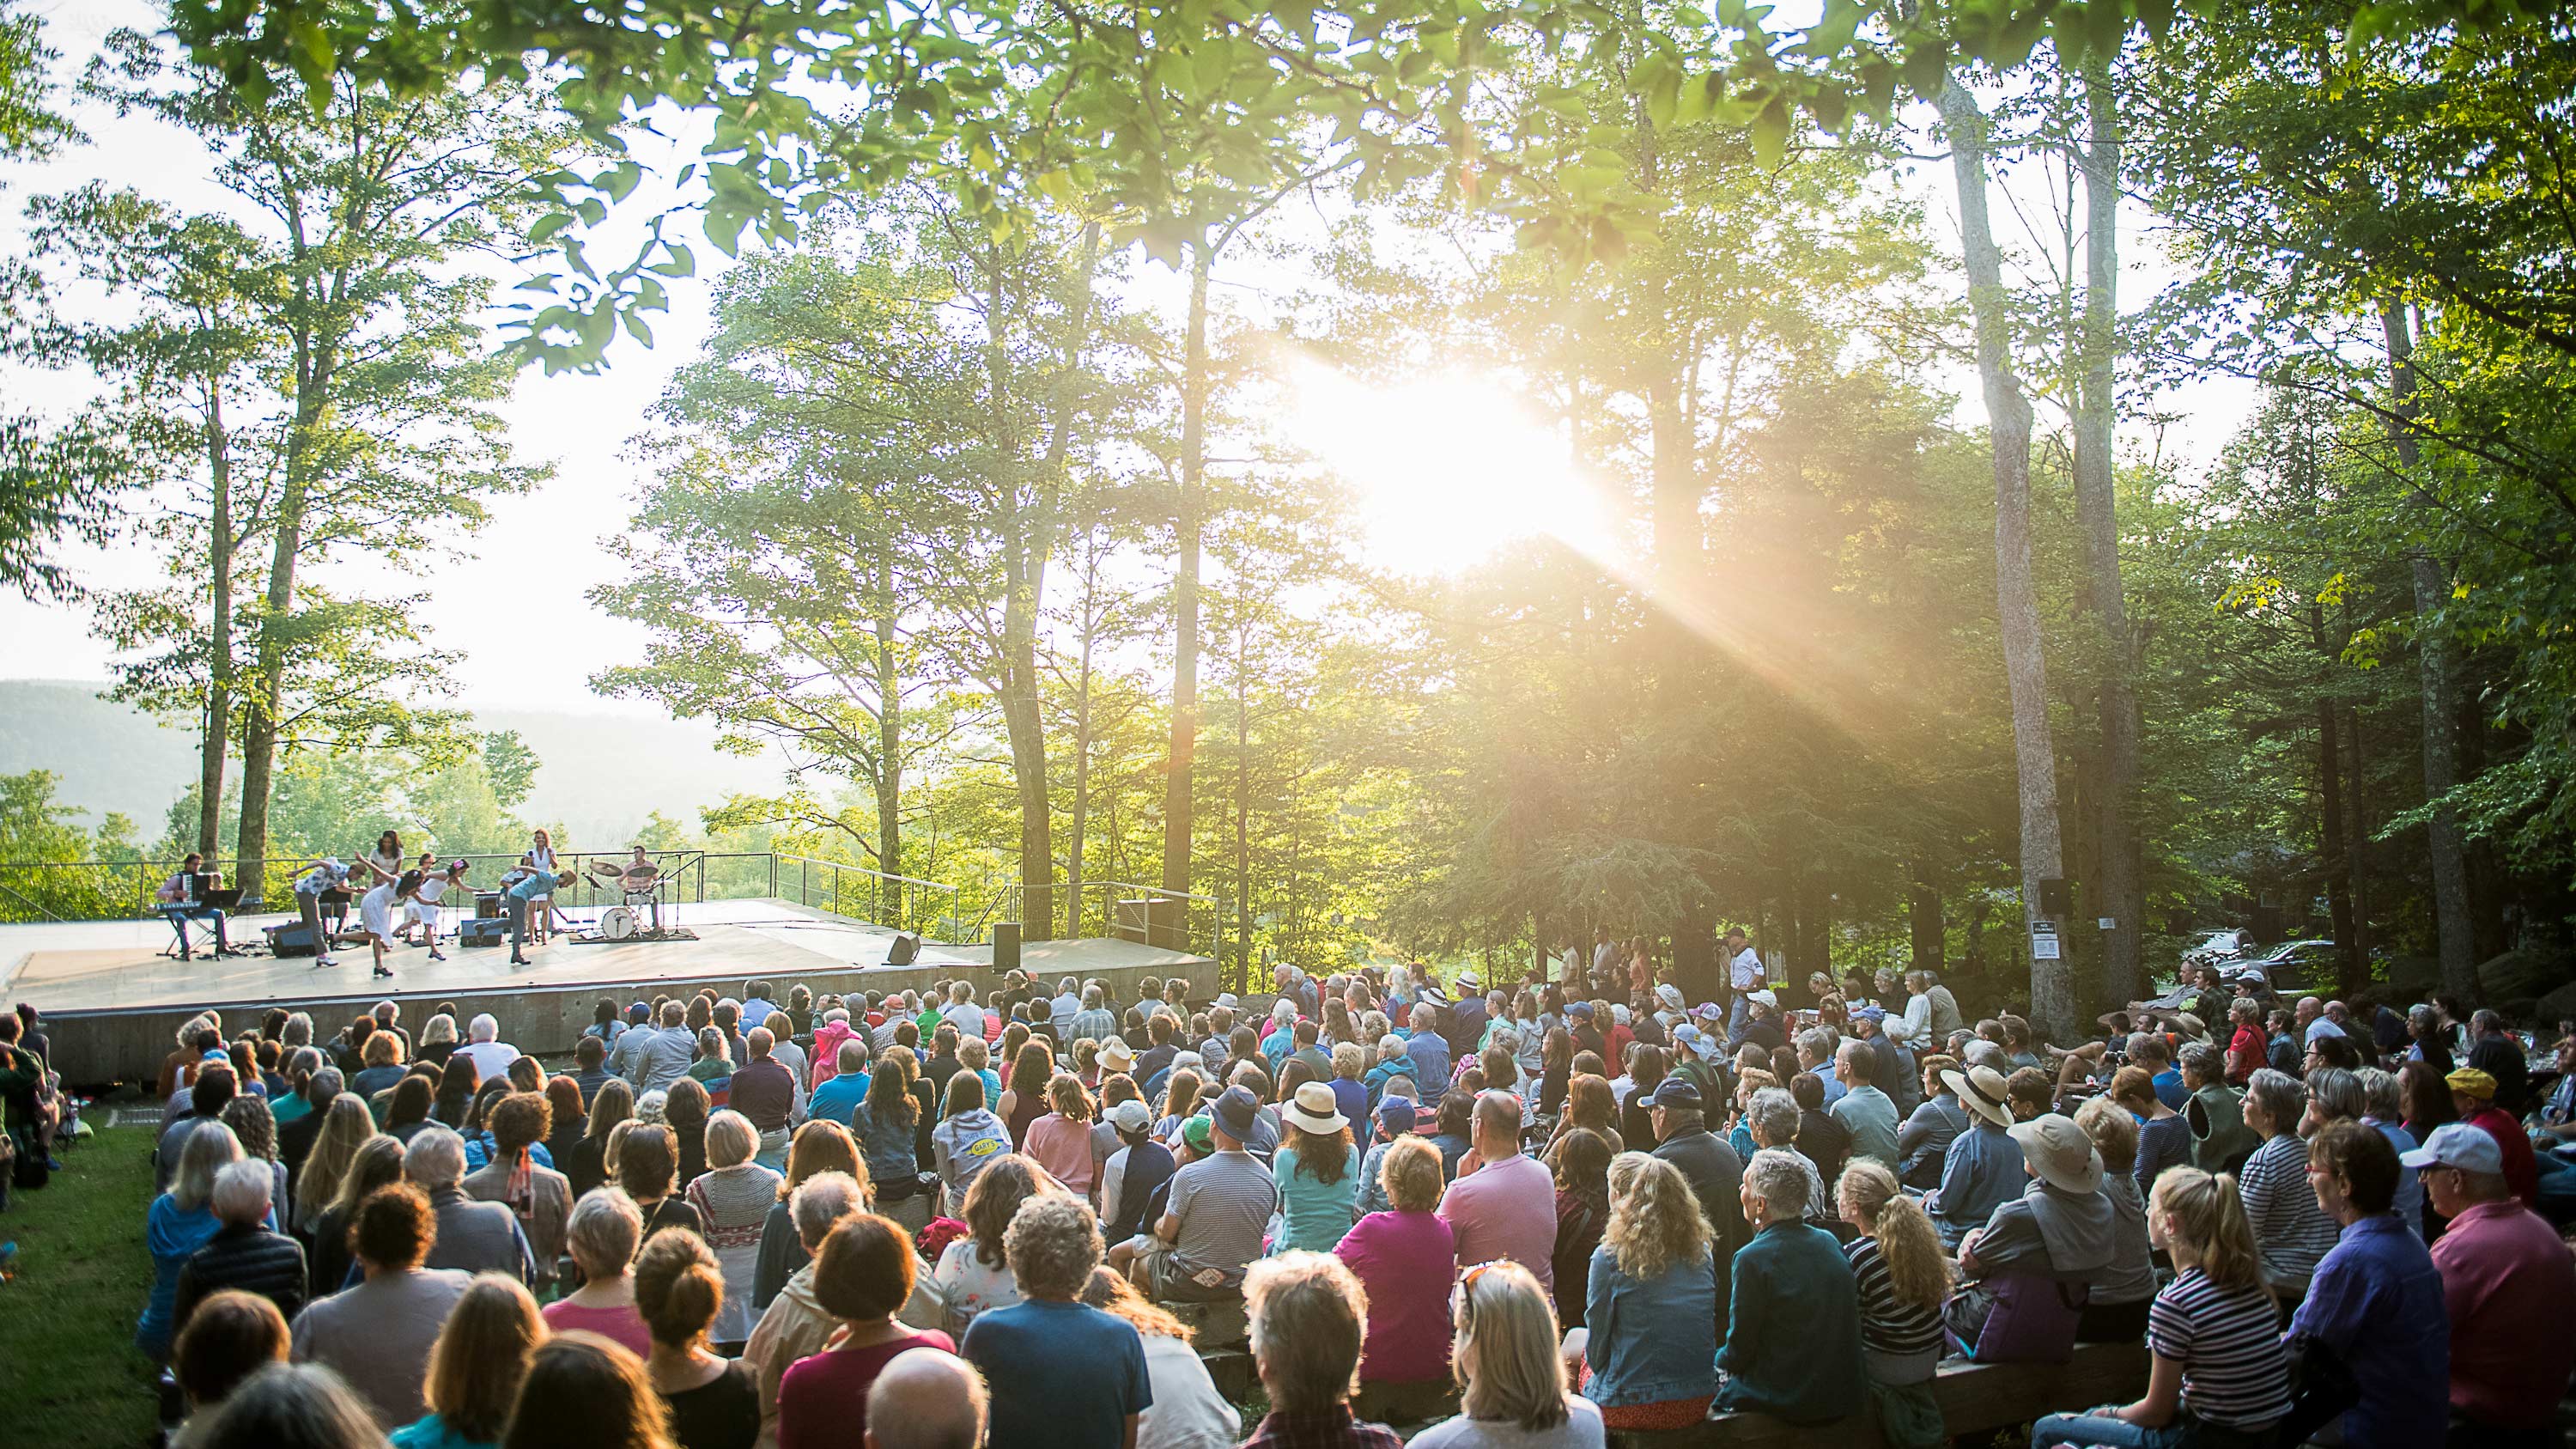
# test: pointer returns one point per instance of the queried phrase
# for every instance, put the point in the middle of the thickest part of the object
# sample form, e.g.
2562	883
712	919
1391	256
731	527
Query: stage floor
95	972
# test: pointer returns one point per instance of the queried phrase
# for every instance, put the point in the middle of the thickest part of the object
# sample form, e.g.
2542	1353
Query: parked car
2296	968
2220	945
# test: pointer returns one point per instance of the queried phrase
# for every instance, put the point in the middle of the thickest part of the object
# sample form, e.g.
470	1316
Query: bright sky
1448	467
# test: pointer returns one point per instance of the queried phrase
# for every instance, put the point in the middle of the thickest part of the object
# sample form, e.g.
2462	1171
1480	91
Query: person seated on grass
244	1253
290	1406
1793	1328
475	1367
377	1334
1510	1374
1062	1373
1308	1319
583	1390
863	1271
2218	1377
229	1337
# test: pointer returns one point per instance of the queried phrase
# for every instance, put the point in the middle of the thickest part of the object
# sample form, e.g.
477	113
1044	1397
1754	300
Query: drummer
643	875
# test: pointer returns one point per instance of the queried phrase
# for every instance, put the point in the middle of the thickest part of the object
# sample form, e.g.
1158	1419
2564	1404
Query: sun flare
1445	468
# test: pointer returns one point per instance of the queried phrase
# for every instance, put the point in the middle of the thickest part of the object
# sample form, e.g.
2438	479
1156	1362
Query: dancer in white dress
540	860
376	914
423	911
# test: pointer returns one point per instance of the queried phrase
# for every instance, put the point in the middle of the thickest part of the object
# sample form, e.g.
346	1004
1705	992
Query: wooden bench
1976	1399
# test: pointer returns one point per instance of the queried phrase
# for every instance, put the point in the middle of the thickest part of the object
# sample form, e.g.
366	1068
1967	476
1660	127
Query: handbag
2017	1318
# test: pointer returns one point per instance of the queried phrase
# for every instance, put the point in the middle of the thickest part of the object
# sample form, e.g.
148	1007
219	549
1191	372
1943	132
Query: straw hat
1116	1056
1313	1109
2060	1153
1980	1090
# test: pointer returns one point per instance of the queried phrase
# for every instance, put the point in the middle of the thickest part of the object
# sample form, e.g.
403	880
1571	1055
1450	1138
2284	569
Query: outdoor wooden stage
113	1003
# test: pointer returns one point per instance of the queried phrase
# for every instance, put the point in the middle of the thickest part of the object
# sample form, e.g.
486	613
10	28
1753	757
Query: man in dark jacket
1715	1173
243	1253
1466	1031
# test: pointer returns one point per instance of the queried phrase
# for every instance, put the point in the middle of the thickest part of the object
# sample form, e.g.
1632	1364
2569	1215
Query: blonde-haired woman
1510	1375
346	1126
476	1366
1651	1306
734	1195
1059	1140
1903	1278
2217	1362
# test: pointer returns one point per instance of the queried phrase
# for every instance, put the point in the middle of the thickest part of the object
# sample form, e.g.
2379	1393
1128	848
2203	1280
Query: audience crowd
1034	1220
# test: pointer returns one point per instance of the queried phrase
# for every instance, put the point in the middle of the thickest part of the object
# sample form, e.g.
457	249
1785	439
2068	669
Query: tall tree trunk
1186	524
276	621
1923	918
2052	996
2330	835
2121	882
2356	838
1078	823
1243	796
889	726
2457	936
214	742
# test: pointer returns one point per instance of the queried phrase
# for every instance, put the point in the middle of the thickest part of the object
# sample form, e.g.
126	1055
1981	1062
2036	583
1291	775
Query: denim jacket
1650	1341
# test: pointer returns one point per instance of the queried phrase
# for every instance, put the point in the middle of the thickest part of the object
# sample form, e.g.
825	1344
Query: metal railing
108	890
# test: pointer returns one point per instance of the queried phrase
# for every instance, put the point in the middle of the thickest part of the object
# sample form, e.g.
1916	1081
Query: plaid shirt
1095	1023
1332	1428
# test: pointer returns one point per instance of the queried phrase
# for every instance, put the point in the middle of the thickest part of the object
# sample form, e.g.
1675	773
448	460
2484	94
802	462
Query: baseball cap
1690	1036
1675	1092
1710	1011
1195	1133
1395	1116
1580	1008
1870	1013
2474	1082
2457	1144
1765	997
1131	1116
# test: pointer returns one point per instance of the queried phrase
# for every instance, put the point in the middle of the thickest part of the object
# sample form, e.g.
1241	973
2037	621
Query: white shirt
491	1058
966	1016
1745	971
1188	1412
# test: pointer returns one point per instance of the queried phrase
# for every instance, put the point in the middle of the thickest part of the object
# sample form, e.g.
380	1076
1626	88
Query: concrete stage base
113	1005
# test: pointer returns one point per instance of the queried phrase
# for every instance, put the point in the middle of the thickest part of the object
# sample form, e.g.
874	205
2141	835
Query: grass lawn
69	1371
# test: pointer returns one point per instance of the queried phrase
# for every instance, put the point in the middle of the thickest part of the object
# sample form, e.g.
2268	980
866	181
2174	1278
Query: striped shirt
1886	1325
2235	1372
2290	1231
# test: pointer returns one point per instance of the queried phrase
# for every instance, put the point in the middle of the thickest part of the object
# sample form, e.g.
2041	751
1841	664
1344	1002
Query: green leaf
547	226
682	262
1771	133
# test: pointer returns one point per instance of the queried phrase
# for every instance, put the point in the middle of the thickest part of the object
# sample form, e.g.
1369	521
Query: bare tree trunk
215	740
2008	413
276	623
2122	881
2356	839
1923	912
1243	796
1079	822
2455	931
889	726
2331	836
1185	583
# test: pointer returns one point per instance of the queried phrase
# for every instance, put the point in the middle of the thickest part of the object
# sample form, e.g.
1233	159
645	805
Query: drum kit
640	884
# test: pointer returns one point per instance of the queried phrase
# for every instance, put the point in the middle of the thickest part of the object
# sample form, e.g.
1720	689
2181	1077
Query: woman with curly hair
1589	1104
974	1275
1903	1279
1651	1303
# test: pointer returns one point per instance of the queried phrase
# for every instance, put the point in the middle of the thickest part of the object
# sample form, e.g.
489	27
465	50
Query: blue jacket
1651	1341
1982	1170
1793	1336
171	1234
1430	1058
1384	1072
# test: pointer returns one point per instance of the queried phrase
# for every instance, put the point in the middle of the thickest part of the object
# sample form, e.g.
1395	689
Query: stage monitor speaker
907	944
291	939
1006	946
483	931
2055	901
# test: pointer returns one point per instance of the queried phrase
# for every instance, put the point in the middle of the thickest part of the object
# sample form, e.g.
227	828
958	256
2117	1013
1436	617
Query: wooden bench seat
1976	1400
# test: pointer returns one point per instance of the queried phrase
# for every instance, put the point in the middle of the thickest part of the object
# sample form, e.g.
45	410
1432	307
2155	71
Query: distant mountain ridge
601	775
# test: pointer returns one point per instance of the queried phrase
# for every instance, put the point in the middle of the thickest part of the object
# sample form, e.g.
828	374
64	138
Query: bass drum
617	924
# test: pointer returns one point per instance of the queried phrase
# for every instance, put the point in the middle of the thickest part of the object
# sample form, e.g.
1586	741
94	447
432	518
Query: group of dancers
394	899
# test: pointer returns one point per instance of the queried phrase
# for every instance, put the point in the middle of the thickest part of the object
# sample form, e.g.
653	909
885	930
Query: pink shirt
1505	1210
2507	1281
1062	1146
620	1325
1404	1261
